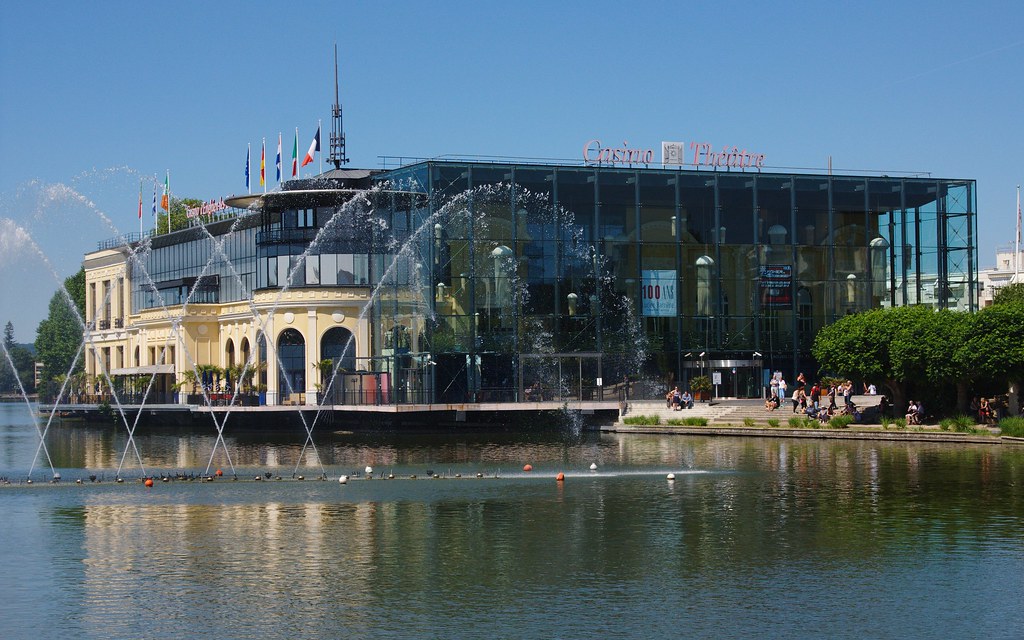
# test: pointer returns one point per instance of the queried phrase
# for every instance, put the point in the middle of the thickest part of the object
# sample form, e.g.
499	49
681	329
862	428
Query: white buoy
593	466
369	469
671	477
343	479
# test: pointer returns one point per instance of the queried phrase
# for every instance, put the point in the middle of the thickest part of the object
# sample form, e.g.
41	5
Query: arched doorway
291	352
229	354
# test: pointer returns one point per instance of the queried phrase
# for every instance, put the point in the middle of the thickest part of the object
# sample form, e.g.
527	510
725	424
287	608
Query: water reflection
755	537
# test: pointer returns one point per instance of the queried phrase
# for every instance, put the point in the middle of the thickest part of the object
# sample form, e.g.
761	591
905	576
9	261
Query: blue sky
98	95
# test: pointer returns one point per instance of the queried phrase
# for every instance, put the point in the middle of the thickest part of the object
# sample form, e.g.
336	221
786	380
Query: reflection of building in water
476	268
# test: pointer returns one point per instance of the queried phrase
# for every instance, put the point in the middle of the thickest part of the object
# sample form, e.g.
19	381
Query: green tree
60	334
24	365
908	349
179	214
1010	294
993	349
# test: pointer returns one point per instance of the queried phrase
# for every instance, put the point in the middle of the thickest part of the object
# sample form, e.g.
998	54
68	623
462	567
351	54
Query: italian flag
165	200
295	155
313	148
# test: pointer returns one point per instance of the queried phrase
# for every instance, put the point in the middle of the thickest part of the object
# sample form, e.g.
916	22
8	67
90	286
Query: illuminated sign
776	286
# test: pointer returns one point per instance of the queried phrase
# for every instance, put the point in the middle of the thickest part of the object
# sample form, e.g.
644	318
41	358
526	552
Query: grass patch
900	423
840	422
886	423
688	422
748	422
642	420
1012	426
773	422
802	423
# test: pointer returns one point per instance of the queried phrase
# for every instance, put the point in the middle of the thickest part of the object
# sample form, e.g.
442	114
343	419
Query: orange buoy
527	467
219	473
560	477
149	482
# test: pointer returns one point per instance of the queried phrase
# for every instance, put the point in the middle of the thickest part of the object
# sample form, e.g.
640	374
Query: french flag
313	148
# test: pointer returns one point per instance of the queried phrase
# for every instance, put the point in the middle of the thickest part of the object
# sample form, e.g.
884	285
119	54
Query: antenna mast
337	132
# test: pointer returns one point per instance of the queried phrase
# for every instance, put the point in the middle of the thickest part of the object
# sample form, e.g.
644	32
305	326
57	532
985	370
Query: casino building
453	281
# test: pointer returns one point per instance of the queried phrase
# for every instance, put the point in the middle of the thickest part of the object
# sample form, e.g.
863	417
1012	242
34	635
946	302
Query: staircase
732	412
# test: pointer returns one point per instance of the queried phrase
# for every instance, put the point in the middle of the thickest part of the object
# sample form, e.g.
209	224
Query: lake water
757	537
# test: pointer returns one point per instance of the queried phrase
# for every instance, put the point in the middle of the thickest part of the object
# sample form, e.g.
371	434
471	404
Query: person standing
815	395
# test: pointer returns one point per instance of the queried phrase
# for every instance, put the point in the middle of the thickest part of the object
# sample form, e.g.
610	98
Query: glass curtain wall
651	268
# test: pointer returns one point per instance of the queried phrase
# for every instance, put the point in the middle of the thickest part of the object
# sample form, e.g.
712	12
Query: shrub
748	422
886	422
642	420
1012	426
797	422
695	422
773	422
901	423
961	423
840	422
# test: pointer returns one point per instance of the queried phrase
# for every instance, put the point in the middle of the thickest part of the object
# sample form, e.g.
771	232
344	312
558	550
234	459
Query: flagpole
248	164
319	123
1016	246
140	208
298	166
167	183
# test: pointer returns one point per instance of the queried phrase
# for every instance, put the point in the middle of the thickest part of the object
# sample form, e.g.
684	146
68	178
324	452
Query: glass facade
504	281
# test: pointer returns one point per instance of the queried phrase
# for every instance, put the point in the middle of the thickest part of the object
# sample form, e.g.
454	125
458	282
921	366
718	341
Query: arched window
291	351
229	354
339	345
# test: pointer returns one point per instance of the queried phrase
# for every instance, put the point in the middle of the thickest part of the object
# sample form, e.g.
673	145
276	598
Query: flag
140	199
263	164
165	202
279	158
247	187
295	154
154	202
313	148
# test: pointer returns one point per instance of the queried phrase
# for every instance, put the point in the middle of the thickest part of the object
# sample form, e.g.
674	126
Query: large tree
60	333
24	365
993	349
909	350
1011	293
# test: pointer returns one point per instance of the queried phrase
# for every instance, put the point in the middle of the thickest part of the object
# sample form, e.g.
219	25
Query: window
304	218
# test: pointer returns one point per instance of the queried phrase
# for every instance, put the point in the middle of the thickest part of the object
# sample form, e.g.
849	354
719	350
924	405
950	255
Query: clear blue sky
97	94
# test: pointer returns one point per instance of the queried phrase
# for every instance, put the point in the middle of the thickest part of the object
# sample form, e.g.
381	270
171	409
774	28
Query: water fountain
405	282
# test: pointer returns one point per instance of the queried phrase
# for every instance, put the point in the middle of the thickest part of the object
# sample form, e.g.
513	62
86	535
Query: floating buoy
412	477
369	469
149	482
219	473
29	481
119	480
301	477
479	475
527	467
258	478
78	481
435	476
593	466
458	475
343	479
671	476
560	477
165	479
56	477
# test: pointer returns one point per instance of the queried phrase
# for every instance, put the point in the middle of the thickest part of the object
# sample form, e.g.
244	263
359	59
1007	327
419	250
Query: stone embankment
750	418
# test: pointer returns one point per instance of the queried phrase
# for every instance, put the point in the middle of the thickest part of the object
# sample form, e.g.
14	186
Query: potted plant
700	386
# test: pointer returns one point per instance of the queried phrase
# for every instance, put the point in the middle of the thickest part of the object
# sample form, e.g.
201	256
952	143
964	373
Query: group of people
807	398
678	401
915	412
